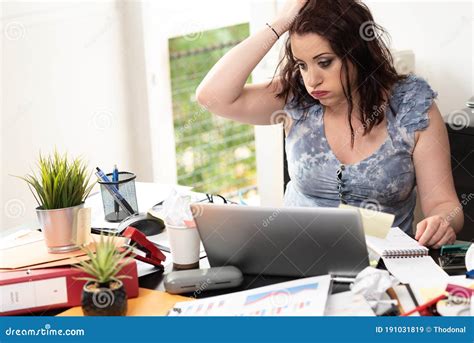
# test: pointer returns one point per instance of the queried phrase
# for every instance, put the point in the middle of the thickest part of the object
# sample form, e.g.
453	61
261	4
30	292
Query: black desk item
144	222
460	128
452	257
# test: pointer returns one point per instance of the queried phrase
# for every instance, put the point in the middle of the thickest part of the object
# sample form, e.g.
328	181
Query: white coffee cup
184	244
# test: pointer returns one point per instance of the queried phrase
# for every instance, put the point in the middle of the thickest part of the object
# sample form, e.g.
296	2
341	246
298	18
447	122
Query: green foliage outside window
215	155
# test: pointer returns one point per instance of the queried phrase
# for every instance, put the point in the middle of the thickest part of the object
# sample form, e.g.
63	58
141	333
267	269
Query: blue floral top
384	181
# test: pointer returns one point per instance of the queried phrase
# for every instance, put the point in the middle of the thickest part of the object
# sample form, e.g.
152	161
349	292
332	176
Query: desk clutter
305	297
32	279
30	283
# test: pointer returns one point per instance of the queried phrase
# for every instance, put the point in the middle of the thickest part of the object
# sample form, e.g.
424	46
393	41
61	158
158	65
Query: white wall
82	76
441	35
63	84
90	77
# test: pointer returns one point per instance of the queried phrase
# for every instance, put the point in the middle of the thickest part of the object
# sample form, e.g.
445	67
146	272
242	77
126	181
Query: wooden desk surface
148	303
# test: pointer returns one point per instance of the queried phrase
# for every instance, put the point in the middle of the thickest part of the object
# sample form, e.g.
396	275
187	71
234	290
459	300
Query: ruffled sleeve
413	98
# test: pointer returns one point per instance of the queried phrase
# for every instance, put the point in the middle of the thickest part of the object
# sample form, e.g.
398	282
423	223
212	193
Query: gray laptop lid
292	241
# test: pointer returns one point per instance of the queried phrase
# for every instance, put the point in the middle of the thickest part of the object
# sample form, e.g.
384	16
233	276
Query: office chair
286	175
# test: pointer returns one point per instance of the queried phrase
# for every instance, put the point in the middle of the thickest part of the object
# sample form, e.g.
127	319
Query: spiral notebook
396	244
406	259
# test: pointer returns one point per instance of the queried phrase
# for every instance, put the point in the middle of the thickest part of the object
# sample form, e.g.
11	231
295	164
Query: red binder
31	291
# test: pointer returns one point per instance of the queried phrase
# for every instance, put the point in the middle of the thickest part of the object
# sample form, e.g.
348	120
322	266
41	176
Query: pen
114	193
115	178
342	279
424	306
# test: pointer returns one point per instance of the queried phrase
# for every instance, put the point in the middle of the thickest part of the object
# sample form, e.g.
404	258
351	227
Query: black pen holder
126	187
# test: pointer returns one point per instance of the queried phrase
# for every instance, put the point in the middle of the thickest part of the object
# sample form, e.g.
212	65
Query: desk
155	281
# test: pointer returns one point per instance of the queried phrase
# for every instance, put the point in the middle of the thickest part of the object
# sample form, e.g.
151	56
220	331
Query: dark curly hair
354	37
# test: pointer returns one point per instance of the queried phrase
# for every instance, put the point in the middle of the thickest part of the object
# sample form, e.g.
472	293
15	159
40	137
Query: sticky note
375	223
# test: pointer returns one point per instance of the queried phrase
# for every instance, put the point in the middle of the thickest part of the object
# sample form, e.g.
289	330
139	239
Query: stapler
138	240
453	256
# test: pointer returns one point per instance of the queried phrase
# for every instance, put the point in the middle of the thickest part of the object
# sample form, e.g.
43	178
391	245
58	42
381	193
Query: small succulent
105	262
61	182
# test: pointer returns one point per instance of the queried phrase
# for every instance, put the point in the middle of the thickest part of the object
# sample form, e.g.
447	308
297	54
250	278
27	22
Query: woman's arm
223	90
439	202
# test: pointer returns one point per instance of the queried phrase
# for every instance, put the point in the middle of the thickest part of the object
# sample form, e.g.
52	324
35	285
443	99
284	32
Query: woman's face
320	68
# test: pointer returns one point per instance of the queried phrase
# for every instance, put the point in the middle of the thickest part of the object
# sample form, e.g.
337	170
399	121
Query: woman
357	132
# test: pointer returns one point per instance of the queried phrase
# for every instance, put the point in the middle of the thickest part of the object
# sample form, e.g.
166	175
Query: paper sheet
348	304
20	237
375	223
416	270
303	297
35	255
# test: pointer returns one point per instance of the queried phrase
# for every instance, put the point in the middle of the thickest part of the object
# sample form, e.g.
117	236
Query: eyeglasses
210	198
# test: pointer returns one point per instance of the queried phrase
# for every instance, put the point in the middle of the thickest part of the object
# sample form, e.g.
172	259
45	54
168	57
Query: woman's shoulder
411	99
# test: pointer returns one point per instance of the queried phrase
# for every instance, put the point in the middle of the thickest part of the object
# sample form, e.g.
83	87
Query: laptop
288	241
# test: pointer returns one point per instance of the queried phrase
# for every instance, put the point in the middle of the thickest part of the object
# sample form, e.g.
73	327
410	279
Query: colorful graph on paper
302	297
196	308
280	302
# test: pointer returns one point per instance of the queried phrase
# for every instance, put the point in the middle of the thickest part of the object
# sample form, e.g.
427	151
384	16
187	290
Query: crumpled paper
176	210
372	283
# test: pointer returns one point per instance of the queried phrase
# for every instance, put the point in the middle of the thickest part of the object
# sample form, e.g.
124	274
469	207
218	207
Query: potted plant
104	293
60	191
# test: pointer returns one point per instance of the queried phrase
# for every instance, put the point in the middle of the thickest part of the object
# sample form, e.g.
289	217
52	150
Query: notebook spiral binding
403	253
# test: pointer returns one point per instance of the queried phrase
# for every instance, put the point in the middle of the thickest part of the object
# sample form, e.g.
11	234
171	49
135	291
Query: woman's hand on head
435	231
288	13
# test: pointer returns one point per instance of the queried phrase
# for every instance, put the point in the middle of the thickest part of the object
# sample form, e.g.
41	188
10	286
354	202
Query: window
213	154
